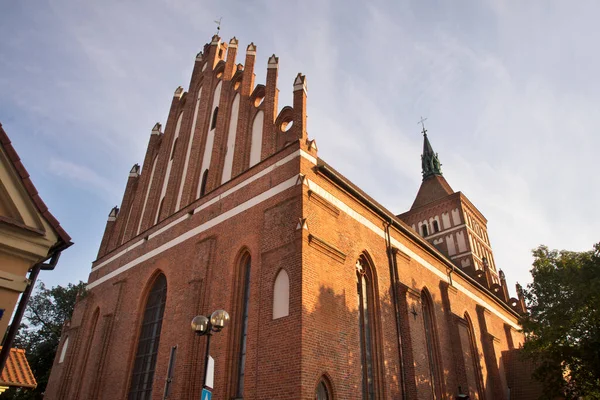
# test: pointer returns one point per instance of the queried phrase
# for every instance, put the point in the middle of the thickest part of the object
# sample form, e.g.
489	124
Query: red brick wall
283	213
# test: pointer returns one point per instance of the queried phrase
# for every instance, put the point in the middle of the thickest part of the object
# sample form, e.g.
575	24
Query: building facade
331	296
31	239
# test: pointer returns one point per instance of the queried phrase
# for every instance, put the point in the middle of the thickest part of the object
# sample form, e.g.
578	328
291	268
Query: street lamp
203	325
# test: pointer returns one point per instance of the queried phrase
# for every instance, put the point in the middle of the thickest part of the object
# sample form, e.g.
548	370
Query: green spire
430	162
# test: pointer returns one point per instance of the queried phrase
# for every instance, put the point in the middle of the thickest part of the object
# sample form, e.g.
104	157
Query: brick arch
286	115
475	355
433	344
374	312
219	68
325	377
241	278
283	294
237	80
257	95
139	319
92	326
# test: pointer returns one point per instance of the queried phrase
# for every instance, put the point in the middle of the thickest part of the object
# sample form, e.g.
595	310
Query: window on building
213	123
430	337
322	392
366	320
424	230
436	226
241	372
203	183
160	207
174	148
147	351
63	351
281	295
476	371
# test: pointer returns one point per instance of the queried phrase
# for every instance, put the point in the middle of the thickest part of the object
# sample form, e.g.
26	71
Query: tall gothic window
241	371
367	342
323	392
215	115
474	358
430	337
203	183
147	351
424	229
436	227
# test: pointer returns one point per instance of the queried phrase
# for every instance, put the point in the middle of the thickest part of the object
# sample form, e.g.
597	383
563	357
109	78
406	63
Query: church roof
433	188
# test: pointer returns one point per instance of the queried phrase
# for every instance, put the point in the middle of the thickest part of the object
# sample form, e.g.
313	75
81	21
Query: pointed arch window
174	148
145	359
281	295
63	351
323	391
424	230
436	227
215	115
472	354
431	340
245	304
366	324
203	183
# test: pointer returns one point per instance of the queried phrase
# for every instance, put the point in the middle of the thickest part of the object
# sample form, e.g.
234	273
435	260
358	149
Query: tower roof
434	185
433	188
430	163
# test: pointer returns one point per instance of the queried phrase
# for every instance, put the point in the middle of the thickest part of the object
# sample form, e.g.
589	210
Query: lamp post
203	325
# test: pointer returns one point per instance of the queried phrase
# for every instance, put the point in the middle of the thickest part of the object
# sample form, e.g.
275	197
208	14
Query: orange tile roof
17	371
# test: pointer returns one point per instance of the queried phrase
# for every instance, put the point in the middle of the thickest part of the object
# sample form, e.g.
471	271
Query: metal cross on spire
422	122
218	22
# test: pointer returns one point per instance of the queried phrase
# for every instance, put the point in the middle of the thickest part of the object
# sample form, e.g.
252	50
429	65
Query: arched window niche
142	376
281	295
243	287
365	279
203	183
63	351
431	341
323	391
215	115
471	356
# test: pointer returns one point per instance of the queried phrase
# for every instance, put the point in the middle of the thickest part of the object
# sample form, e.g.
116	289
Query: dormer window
436	227
424	230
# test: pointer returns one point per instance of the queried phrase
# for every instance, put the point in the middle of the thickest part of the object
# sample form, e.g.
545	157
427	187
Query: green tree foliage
39	335
562	326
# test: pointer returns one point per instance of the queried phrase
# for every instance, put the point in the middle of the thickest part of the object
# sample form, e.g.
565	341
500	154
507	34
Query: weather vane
218	22
422	122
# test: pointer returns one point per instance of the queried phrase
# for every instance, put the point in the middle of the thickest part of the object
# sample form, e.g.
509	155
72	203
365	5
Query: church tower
449	221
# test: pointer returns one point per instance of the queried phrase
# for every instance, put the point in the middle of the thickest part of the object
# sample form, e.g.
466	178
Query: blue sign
206	394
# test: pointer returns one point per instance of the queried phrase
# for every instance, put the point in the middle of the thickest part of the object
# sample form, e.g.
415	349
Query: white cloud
83	177
509	89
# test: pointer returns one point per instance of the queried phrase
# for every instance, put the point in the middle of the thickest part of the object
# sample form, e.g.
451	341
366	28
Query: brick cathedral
331	296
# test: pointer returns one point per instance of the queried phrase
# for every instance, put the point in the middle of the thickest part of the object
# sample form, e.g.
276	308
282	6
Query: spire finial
430	163
218	22
422	122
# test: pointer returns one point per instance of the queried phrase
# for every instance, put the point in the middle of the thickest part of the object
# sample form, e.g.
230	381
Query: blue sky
509	89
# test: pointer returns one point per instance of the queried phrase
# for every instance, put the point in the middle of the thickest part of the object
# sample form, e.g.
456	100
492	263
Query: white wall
188	151
257	132
228	166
